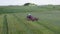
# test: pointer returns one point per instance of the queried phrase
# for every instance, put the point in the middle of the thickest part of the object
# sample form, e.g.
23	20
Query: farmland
16	23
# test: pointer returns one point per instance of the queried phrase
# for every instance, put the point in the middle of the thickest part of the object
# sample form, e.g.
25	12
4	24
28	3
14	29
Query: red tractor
31	18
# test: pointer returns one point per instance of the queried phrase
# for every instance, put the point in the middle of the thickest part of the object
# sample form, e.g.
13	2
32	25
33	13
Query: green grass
14	20
17	24
47	20
1	24
35	28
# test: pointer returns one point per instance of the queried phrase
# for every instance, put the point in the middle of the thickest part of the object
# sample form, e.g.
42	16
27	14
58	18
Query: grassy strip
56	32
5	25
27	29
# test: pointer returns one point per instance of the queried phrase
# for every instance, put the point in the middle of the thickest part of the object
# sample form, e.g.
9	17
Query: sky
21	2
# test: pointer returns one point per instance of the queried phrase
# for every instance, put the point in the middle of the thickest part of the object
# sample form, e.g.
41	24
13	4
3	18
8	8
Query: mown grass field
16	23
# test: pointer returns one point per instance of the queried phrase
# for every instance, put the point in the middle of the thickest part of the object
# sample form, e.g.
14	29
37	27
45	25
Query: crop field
16	23
13	20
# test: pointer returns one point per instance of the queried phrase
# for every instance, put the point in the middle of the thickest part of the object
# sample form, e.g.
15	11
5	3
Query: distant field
16	23
13	20
17	9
